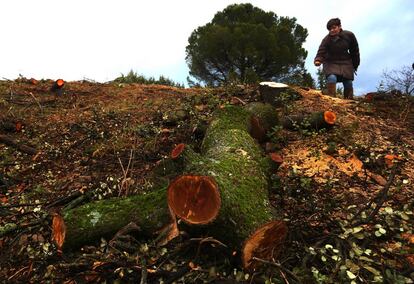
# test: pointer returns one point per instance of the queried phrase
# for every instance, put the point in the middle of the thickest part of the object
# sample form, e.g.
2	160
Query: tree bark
104	218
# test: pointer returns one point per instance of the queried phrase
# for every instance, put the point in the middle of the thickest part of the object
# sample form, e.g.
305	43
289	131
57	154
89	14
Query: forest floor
346	194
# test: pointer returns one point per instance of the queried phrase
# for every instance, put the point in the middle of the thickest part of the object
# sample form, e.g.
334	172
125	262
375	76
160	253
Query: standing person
339	54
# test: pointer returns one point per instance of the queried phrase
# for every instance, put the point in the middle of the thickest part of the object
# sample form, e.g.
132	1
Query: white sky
99	40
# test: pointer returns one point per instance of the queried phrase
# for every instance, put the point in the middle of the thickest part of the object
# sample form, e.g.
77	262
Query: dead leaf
58	231
97	264
92	277
355	163
194	266
408	237
389	159
378	179
3	199
410	259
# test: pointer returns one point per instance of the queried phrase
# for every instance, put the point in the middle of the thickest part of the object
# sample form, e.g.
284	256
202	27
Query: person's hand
317	63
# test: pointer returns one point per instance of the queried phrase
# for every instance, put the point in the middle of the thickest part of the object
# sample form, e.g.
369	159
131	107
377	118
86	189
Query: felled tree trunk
316	121
104	218
226	188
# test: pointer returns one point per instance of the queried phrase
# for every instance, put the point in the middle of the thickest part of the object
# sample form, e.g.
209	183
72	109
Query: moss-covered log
104	218
233	166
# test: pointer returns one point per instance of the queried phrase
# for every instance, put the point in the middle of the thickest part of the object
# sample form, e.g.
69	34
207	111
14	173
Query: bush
133	77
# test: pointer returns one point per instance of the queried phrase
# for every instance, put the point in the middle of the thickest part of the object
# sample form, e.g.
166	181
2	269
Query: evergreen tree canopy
246	44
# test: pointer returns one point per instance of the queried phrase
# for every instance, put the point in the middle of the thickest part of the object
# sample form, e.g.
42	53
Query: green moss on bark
238	165
104	218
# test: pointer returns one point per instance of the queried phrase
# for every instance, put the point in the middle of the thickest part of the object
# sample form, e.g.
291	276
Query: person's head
334	26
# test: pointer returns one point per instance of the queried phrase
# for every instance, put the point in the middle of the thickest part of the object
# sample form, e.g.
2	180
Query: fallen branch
40	106
280	267
12	143
379	199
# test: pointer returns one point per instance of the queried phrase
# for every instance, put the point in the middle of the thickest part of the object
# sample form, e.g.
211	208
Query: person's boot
349	93
331	89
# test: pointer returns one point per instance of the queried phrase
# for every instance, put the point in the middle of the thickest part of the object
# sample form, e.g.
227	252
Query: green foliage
321	79
244	44
355	256
299	77
133	77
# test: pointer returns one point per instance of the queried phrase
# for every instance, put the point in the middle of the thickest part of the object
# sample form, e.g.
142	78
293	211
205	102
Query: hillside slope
346	193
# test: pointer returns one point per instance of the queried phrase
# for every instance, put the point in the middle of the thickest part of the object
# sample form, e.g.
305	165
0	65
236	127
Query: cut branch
12	143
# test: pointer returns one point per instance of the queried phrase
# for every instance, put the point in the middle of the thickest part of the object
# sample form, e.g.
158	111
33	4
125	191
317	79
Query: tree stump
277	94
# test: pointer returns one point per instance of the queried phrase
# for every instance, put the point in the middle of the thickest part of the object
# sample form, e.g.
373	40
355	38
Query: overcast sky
100	39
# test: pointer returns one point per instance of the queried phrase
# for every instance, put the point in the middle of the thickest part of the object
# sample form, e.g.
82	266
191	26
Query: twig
17	272
40	106
65	199
12	227
177	275
277	265
124	182
381	197
144	272
206	240
21	205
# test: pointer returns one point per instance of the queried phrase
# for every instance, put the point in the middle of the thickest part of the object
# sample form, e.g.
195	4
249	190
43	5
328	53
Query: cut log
57	87
195	199
276	159
232	176
263	119
11	125
270	235
104	218
316	121
12	143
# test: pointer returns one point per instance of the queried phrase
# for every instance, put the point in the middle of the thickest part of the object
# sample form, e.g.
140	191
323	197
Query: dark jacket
339	54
